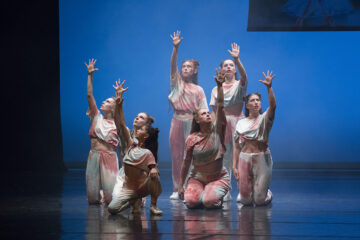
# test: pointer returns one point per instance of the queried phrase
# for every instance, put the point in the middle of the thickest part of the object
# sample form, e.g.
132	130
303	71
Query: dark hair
195	127
149	119
222	63
247	99
194	77
151	142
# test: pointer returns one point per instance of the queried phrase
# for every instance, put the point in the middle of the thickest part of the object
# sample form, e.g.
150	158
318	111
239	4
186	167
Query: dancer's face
228	67
140	120
141	133
254	104
203	116
188	69
108	105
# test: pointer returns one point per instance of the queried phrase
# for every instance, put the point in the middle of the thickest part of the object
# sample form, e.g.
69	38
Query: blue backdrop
316	84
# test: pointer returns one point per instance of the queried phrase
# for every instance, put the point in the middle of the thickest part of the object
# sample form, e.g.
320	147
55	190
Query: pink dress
184	97
102	166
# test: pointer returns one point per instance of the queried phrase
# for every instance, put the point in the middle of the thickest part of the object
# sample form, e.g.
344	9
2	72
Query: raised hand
119	91
235	50
268	79
176	38
220	77
91	66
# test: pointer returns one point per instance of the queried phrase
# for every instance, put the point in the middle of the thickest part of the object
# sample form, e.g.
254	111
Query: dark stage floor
307	205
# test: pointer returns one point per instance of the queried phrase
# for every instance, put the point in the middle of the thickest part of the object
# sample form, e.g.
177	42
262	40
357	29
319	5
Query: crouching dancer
209	181
141	172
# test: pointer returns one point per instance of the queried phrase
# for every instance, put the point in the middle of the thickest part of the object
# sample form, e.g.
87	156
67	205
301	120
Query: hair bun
152	119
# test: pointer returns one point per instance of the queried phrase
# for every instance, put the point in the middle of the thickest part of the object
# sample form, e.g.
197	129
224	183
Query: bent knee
212	203
192	202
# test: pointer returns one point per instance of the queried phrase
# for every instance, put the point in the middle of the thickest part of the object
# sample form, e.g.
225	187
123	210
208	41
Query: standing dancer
185	97
102	165
205	147
234	93
252	159
139	163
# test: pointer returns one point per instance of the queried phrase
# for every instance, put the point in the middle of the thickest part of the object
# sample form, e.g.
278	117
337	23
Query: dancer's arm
176	42
220	114
272	103
184	171
119	117
235	50
236	153
90	96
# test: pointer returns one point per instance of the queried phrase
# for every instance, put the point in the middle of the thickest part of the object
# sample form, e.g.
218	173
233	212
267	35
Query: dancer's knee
192	201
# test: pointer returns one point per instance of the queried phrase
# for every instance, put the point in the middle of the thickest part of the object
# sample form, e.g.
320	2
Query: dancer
139	163
252	159
234	93
185	97
208	181
140	120
102	165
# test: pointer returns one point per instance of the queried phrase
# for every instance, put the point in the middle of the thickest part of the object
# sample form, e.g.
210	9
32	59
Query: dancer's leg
193	193
108	170
245	182
93	178
262	167
177	146
215	191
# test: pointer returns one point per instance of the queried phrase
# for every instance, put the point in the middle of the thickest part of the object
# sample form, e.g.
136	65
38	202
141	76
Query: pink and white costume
255	169
234	94
206	185
132	188
185	98
102	166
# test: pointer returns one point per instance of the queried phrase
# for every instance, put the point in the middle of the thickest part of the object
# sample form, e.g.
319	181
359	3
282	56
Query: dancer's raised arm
176	42
235	51
119	113
90	96
272	103
220	114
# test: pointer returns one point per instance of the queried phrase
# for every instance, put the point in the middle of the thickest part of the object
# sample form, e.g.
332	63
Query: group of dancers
207	147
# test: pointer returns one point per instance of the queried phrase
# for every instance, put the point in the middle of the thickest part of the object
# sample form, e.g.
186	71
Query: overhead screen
304	15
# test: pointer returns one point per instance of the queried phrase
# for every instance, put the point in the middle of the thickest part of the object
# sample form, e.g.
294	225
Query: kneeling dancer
252	165
139	163
208	181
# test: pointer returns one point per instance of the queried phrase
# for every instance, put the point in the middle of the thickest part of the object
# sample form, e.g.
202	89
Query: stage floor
307	204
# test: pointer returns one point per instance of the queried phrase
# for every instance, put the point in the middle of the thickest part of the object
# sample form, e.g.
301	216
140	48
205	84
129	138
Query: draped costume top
186	96
204	149
139	157
102	128
234	93
256	129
